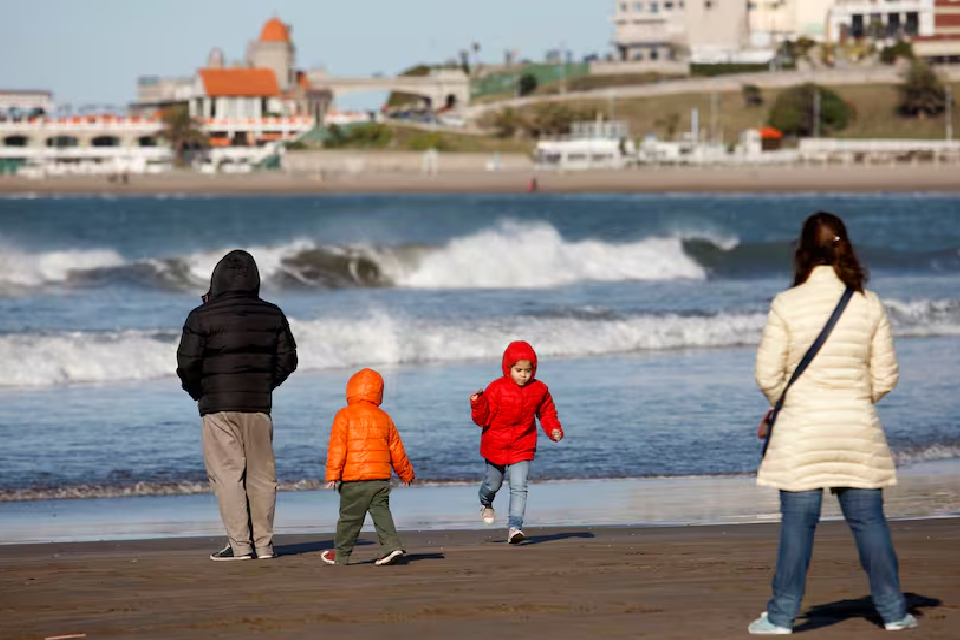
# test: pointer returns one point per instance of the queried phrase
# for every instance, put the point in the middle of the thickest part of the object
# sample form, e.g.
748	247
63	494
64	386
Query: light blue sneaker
763	627
908	622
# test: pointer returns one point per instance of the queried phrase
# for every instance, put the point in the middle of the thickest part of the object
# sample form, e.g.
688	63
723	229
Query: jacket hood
365	385
235	273
517	351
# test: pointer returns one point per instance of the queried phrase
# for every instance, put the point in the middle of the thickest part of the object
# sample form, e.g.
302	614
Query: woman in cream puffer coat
828	434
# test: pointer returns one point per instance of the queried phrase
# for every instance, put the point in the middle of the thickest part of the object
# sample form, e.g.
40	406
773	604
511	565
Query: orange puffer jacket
364	443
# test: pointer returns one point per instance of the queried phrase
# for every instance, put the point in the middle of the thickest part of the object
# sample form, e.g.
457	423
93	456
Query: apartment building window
654	54
912	28
668	6
893	25
654	7
708	4
856	25
638	6
680	4
623	7
638	55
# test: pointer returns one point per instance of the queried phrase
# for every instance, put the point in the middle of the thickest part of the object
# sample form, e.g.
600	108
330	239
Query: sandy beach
694	582
686	179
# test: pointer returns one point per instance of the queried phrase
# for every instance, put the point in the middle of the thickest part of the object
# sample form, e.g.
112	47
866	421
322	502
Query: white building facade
701	30
775	21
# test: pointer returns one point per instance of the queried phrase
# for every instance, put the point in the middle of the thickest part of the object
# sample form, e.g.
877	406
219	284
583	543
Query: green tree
183	132
526	84
555	119
794	111
902	49
922	93
508	123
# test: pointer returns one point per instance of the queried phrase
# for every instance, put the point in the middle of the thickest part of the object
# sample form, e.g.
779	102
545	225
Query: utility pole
563	68
949	113
714	116
816	113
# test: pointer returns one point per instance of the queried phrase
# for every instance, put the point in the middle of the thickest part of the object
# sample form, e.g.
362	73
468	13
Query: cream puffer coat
828	433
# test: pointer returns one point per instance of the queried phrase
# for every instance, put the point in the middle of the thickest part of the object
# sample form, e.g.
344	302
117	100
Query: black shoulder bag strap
805	362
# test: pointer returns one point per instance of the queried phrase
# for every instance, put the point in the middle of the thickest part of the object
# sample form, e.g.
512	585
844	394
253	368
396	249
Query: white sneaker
488	514
515	536
391	557
763	627
908	622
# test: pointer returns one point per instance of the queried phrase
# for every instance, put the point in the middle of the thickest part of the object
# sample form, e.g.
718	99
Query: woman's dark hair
824	242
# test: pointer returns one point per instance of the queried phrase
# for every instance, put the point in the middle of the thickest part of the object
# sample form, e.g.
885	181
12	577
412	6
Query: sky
90	52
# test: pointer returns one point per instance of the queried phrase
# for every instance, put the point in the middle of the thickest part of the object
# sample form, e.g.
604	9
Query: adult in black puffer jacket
234	351
236	348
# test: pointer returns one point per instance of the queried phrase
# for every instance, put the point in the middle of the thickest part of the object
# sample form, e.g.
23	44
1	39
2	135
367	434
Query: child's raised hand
556	435
476	396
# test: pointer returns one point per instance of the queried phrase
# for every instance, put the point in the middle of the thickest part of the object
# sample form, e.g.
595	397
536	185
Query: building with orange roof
252	103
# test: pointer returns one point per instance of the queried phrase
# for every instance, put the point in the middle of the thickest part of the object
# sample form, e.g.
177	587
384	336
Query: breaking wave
38	359
509	255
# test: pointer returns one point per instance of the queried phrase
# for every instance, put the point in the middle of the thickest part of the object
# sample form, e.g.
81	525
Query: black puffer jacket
235	348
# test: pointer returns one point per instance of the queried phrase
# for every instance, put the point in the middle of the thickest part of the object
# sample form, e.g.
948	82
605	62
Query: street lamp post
563	68
949	113
816	113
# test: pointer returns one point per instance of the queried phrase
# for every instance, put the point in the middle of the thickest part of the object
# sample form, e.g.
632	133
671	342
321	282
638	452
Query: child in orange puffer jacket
364	447
507	412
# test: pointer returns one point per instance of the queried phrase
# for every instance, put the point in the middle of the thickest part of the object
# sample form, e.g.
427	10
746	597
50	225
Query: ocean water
645	310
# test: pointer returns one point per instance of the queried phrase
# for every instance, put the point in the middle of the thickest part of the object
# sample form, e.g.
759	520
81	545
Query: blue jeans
493	480
863	511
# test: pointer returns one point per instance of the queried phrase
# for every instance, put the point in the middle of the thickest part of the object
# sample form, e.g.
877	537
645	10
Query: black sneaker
226	554
391	557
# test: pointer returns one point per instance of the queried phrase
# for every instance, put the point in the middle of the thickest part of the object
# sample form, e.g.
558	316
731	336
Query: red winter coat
507	412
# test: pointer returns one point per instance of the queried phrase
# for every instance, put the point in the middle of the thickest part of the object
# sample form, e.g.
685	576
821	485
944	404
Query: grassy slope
875	106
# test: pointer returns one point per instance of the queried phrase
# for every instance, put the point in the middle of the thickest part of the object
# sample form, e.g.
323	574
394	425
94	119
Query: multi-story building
932	26
889	20
267	85
943	45
773	21
243	109
707	30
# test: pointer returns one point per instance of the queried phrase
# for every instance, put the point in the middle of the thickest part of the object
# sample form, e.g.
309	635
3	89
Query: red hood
517	351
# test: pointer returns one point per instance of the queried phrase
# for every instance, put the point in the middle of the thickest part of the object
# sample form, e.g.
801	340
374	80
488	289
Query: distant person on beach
234	351
828	434
507	412
365	447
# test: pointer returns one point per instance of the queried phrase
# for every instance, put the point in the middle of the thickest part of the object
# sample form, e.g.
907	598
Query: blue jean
863	511
493	480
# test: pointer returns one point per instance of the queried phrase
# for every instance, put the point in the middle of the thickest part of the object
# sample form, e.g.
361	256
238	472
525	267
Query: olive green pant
356	499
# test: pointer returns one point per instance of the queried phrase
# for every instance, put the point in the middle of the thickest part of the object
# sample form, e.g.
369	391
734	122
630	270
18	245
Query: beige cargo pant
238	454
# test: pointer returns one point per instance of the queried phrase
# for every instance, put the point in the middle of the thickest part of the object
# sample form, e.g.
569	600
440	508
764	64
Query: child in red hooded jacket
507	412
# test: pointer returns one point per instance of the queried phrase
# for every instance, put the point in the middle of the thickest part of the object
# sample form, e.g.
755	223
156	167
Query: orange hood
365	385
517	351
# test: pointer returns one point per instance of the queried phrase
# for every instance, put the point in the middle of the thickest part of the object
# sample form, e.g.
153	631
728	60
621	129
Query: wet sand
926	177
693	582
